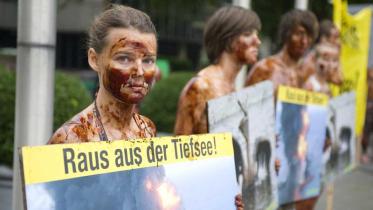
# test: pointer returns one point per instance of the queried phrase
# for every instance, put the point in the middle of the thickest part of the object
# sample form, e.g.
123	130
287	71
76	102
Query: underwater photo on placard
301	130
200	175
339	155
249	115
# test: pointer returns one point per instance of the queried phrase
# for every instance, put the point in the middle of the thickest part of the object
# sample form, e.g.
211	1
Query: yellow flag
337	13
355	32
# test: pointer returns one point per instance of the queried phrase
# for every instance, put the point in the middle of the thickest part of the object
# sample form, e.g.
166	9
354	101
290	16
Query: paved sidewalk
5	188
353	191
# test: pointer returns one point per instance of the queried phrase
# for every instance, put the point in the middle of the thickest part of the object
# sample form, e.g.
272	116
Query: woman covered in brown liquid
231	41
297	30
326	68
329	36
122	50
319	68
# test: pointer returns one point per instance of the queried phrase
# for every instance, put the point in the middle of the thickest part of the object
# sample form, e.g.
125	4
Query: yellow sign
66	161
355	31
301	97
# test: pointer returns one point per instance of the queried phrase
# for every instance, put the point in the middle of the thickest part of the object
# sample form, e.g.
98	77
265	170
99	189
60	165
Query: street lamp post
243	3
301	4
35	80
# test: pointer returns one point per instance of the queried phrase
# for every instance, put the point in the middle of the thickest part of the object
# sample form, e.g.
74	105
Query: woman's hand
238	202
277	165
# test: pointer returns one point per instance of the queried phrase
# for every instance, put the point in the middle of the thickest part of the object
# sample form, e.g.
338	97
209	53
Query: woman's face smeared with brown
327	62
127	64
246	47
298	42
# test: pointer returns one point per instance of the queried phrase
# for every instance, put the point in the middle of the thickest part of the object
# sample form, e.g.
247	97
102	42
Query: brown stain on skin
58	138
119	44
150	125
116	73
83	128
124	83
120	80
81	132
145	125
138	47
149	76
115	116
134	46
272	69
191	115
241	51
117	78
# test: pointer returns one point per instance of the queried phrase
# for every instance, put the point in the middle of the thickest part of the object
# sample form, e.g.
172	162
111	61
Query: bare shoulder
262	70
195	90
266	64
197	84
80	128
149	125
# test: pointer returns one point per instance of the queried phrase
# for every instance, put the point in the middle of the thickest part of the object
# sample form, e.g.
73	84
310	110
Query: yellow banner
66	161
301	97
337	13
355	32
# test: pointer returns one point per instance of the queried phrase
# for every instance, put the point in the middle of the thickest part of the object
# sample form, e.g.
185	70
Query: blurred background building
179	24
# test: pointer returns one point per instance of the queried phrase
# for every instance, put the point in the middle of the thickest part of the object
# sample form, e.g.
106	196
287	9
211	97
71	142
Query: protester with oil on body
231	41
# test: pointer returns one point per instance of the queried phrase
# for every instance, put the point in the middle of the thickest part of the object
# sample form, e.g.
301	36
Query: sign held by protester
249	115
301	126
339	156
133	174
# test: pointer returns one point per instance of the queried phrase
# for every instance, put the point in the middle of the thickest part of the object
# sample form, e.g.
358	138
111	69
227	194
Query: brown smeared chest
197	97
85	129
274	70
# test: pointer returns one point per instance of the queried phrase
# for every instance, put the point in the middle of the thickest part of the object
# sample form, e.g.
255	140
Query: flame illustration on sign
302	142
166	193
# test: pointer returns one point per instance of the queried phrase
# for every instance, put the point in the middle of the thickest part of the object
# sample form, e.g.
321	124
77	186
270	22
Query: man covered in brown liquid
297	30
231	41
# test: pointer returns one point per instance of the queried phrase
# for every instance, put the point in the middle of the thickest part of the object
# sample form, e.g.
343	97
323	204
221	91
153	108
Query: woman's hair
326	27
319	47
117	16
295	18
224	26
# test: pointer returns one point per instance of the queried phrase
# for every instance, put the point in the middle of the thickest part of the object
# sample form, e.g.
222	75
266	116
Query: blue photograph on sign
301	131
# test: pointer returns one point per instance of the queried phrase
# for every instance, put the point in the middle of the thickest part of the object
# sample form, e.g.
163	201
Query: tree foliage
70	98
